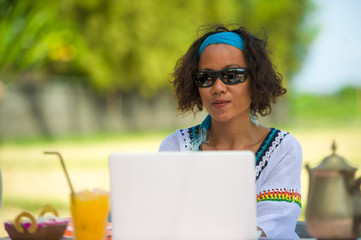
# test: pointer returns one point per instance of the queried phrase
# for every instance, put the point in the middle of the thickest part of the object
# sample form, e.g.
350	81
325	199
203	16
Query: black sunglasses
229	76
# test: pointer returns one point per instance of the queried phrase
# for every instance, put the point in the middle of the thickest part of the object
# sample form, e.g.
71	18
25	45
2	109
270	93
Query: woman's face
225	102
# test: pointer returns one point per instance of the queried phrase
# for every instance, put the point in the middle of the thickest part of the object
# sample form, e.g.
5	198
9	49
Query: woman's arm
278	192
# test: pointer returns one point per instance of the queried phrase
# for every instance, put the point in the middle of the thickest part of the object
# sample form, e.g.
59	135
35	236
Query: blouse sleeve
172	143
278	192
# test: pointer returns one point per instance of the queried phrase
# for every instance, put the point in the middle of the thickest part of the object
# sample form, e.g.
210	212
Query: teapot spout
309	173
308	168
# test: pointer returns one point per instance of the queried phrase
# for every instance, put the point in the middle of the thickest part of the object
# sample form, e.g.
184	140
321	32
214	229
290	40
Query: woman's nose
219	86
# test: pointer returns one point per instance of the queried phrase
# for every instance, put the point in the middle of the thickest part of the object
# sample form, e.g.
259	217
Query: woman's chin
224	118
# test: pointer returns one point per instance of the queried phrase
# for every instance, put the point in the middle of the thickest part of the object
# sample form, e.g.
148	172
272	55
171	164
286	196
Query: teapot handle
356	186
357	220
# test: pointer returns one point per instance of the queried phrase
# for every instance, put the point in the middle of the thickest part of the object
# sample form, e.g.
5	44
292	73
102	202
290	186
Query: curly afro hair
265	81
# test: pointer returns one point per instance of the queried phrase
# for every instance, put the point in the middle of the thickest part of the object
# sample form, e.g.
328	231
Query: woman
229	73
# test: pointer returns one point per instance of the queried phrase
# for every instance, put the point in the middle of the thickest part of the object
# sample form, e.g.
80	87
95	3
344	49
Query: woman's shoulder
279	145
282	137
274	138
290	141
180	140
286	146
171	142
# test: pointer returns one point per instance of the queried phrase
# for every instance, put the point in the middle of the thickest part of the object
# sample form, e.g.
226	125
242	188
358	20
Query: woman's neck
235	136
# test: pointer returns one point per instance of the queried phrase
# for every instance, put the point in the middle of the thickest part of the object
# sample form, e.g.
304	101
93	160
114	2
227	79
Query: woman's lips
220	103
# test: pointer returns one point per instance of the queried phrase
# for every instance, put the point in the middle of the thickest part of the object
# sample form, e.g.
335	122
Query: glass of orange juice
90	211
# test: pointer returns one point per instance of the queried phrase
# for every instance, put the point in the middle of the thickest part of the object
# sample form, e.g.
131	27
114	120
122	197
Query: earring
253	117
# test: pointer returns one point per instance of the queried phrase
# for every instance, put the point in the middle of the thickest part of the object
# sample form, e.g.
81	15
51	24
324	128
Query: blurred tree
132	45
33	39
289	32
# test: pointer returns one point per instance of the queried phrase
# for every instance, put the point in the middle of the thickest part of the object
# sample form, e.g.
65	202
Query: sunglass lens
234	76
204	79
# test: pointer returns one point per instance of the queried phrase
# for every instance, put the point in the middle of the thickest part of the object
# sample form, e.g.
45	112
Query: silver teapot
334	205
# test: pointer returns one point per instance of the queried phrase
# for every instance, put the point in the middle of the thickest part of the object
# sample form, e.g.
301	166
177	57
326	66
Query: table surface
64	238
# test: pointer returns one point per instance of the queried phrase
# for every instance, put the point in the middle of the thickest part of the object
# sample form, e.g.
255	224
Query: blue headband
230	38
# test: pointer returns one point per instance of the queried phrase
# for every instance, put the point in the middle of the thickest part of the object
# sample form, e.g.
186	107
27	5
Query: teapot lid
335	162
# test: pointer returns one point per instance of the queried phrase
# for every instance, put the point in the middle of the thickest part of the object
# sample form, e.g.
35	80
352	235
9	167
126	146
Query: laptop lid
183	195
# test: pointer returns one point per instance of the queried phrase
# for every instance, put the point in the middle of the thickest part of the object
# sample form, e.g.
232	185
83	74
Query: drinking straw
64	168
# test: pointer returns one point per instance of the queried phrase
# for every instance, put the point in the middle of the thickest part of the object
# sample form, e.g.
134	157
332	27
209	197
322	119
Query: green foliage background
129	45
339	110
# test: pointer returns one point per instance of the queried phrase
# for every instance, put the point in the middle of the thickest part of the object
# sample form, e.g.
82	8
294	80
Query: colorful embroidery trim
189	134
286	195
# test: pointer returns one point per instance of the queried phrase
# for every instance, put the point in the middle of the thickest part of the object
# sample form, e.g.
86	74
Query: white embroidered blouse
278	184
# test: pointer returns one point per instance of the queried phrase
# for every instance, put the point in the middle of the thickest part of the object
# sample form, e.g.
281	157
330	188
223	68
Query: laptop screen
183	195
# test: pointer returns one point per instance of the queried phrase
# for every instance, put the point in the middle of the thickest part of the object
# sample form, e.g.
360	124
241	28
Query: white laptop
183	195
